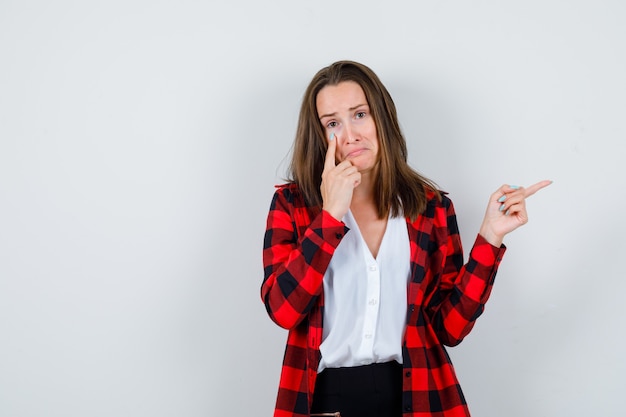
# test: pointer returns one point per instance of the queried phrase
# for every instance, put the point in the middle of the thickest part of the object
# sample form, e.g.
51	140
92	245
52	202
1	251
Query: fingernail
515	187
502	207
507	212
501	199
332	136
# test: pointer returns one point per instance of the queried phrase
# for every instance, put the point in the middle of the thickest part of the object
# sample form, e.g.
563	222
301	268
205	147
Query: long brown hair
398	188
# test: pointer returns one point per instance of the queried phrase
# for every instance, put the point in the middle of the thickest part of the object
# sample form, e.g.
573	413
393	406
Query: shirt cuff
328	228
485	253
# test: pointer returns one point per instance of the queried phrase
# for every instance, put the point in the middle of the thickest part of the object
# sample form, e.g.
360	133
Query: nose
350	133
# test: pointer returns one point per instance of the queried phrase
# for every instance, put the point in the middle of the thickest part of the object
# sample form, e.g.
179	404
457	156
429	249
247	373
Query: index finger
329	162
536	187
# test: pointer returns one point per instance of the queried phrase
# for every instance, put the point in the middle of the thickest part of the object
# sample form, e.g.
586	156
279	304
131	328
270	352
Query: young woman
364	265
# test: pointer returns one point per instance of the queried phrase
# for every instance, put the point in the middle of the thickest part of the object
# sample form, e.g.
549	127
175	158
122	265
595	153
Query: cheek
368	128
336	130
372	133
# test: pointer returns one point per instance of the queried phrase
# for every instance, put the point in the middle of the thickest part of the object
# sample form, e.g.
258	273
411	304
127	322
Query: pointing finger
536	187
329	162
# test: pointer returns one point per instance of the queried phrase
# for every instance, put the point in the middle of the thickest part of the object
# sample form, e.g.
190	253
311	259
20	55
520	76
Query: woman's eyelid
364	109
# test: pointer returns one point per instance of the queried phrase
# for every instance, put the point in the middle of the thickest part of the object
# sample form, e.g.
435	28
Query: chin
364	169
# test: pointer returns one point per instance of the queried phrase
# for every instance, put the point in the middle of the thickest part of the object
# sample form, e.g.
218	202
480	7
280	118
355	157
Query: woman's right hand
338	182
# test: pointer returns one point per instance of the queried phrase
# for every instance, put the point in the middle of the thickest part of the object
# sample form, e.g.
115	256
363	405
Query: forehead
342	96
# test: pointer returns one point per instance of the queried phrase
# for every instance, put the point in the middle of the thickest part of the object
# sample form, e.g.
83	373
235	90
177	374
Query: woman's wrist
491	237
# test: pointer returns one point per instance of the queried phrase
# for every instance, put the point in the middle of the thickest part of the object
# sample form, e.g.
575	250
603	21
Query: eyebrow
350	109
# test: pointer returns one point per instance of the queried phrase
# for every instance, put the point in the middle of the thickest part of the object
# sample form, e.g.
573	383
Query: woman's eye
331	124
360	115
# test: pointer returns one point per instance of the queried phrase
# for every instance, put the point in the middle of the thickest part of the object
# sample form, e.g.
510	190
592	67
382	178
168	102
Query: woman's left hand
506	211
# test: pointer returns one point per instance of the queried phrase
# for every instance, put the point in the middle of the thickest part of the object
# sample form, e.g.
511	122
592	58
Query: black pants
363	391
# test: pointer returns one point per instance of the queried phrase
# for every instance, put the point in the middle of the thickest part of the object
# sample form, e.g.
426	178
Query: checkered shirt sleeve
446	297
296	257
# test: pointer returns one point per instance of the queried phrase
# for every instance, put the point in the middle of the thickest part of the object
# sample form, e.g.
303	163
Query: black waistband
363	370
368	390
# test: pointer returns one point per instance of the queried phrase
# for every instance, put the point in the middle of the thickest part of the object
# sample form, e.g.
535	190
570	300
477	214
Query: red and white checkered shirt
445	297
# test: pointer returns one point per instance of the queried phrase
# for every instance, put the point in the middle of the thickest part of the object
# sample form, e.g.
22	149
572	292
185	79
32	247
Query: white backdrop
140	142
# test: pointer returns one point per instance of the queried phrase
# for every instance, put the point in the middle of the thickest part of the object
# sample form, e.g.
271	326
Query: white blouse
365	298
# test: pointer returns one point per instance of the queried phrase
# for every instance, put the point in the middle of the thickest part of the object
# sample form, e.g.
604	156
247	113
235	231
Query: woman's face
343	110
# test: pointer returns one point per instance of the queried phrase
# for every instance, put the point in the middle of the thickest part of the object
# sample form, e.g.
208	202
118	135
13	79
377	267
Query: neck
363	194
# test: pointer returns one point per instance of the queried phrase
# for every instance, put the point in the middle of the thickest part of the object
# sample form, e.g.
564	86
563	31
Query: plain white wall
140	142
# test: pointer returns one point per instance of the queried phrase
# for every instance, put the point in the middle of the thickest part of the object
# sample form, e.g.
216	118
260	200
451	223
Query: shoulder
439	210
437	199
288	187
290	197
439	217
289	204
289	193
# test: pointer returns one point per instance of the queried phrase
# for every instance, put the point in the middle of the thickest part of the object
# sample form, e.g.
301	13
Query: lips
356	152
